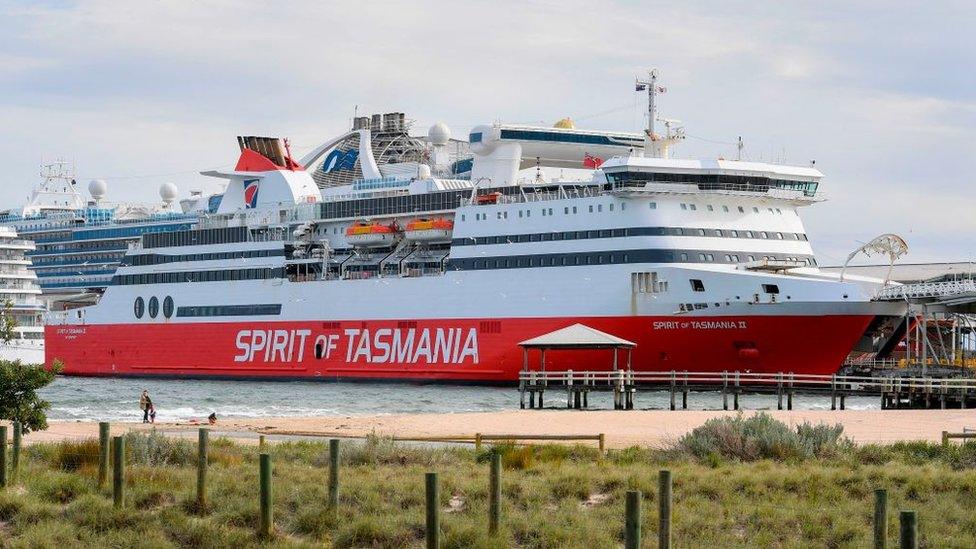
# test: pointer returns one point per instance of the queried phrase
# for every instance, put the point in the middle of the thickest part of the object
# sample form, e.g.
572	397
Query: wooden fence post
880	519
264	528
433	512
334	473
104	442
15	454
202	451
3	456
908	535
664	506
118	476
945	438
603	443
632	522
477	442
495	493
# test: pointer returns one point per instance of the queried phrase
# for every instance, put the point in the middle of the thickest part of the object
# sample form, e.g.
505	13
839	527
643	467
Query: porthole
139	308
153	307
168	307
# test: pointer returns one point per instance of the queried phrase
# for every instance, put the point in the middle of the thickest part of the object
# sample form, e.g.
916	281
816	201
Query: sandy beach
622	428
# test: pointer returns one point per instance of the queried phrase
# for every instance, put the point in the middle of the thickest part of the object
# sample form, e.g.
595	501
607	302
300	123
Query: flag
590	161
641	87
661	89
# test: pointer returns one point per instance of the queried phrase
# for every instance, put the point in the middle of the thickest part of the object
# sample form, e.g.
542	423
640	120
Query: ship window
755	209
693	207
697	285
153	306
779	211
718	232
462	217
168	307
770	288
611	206
684	206
710	257
763	234
520	213
591	208
728	258
735	234
623	206
684	257
779	236
574	209
679	231
701	232
139	307
710	208
566	210
653	205
701	257
741	210
725	209
748	234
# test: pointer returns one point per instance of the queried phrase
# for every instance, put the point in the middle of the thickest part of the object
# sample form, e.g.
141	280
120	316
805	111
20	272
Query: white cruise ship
19	300
436	267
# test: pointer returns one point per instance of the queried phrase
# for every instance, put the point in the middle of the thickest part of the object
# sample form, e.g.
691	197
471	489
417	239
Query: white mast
654	144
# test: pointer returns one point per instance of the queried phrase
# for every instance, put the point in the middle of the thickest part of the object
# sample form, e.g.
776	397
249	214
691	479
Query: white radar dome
97	188
423	171
167	191
439	134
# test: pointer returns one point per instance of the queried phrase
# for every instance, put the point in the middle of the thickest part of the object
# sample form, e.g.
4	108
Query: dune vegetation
737	483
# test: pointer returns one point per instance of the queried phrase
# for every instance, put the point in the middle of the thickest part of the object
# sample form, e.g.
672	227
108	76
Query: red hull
447	350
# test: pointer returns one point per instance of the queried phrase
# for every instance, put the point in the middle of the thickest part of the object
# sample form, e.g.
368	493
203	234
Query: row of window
159	259
139	307
230	310
195	237
198	276
604	258
402	204
623	232
711	181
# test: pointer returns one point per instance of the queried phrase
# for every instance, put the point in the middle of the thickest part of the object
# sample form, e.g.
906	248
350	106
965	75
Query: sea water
117	399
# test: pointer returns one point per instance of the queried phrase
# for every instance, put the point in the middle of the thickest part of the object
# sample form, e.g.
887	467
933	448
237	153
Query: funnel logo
339	160
251	193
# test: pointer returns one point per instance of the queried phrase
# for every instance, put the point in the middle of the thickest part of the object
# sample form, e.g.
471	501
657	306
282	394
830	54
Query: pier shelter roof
577	336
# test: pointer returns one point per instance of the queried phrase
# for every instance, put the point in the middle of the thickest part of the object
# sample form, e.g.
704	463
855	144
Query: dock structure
895	392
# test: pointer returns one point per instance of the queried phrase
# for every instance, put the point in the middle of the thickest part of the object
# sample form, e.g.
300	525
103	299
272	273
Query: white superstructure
19	301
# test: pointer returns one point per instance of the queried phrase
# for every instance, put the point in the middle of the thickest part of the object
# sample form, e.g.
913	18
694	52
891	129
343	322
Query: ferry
435	265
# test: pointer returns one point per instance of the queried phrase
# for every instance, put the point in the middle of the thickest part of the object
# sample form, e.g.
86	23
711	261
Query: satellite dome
97	188
167	191
439	134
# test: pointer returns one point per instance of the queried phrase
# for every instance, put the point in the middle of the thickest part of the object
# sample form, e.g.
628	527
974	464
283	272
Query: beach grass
725	495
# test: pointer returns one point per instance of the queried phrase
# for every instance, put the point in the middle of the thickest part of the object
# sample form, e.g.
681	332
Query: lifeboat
367	234
429	230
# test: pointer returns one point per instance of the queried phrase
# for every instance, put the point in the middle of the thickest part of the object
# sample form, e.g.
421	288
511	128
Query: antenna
654	144
739	146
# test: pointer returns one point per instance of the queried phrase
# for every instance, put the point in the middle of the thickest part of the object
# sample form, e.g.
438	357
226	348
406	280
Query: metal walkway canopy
577	336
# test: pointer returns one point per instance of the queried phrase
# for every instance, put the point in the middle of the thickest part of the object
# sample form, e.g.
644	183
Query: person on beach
152	413
145	403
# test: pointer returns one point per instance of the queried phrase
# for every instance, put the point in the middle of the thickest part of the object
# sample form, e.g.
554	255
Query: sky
882	95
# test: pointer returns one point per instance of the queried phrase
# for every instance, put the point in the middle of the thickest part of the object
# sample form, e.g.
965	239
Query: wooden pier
896	392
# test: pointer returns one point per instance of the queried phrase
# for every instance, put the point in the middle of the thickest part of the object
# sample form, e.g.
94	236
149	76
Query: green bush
73	455
760	436
155	449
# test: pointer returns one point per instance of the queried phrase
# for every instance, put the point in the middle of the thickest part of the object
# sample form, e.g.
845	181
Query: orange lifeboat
429	230
367	234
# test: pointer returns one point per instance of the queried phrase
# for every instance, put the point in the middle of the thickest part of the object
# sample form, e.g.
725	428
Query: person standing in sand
145	404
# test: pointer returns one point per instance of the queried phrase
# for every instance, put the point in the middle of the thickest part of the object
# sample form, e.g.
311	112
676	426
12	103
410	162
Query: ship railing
924	290
720	188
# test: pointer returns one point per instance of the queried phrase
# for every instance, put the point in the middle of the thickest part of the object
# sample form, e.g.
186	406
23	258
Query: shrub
60	487
71	456
761	437
155	449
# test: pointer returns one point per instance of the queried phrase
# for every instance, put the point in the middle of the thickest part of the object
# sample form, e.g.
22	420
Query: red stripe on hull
447	350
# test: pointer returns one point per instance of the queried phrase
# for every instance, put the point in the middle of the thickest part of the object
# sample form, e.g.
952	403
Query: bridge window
697	285
770	288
